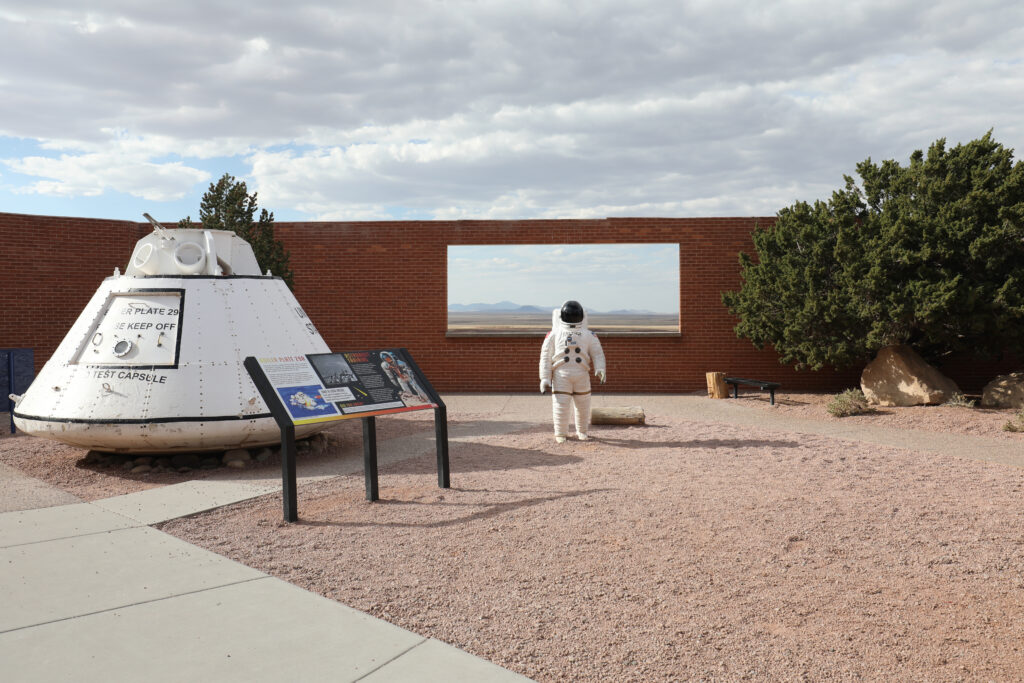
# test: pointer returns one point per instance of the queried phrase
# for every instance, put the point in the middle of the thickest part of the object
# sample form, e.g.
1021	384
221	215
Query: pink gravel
677	550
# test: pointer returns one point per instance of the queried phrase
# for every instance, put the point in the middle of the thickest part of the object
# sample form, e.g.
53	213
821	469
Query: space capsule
154	362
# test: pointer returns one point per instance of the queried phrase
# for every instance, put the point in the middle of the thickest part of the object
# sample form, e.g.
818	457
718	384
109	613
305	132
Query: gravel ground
68	468
676	550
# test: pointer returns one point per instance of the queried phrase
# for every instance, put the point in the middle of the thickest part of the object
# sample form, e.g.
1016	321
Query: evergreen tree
228	206
930	254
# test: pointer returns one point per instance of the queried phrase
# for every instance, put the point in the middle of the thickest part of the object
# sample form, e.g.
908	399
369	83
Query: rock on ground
898	376
1005	391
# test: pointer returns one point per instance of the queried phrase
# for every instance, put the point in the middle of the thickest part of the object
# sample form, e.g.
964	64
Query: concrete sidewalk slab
264	629
179	500
52	523
21	492
431	662
72	577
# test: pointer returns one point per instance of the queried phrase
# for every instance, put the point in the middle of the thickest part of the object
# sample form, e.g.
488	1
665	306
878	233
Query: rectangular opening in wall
628	289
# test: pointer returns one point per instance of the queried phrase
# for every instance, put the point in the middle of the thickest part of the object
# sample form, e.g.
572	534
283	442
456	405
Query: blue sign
17	370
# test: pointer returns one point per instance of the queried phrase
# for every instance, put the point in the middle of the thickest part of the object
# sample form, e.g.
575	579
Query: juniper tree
930	254
226	205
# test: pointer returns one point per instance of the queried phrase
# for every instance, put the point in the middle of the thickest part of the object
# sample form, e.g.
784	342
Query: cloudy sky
503	109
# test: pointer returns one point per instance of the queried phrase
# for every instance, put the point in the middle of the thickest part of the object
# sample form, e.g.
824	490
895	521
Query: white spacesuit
567	356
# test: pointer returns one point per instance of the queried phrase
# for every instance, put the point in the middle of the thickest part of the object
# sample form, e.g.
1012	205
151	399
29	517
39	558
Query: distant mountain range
510	307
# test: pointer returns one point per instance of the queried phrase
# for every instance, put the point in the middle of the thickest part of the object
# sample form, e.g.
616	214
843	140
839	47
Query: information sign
321	387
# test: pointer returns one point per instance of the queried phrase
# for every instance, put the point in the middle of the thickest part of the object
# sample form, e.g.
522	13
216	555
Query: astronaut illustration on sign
302	399
569	353
400	373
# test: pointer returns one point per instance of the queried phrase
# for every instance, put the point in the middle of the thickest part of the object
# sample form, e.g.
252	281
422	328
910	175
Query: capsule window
122	348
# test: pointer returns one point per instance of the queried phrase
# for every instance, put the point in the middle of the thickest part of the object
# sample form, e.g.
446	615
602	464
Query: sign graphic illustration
306	401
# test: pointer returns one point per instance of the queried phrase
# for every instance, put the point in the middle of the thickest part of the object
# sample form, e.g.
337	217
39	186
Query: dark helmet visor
572	312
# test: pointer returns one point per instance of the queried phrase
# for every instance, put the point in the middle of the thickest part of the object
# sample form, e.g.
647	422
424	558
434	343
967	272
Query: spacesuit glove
600	375
545	385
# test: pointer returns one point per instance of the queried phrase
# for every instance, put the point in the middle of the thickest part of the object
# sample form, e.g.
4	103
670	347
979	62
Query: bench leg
735	390
772	394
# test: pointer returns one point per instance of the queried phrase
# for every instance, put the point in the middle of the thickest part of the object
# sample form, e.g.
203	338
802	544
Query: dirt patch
673	551
67	467
986	422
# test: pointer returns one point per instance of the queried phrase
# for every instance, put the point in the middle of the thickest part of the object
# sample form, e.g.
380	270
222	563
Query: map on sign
320	387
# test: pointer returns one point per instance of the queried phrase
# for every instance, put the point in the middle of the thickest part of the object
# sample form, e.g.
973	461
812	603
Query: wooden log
618	415
717	388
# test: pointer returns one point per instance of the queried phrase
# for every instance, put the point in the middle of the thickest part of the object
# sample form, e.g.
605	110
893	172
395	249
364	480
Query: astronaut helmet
387	357
572	313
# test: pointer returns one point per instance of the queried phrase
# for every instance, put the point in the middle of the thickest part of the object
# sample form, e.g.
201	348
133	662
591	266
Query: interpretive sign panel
320	387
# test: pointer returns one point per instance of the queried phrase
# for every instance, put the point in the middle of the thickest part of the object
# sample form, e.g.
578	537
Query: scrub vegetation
959	400
930	254
849	402
1016	424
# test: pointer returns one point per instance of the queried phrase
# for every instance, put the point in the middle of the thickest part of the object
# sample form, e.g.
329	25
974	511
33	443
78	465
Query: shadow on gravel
470	428
701	443
478	457
483	511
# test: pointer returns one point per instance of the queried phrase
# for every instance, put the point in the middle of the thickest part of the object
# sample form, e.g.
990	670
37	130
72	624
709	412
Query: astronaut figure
569	353
400	373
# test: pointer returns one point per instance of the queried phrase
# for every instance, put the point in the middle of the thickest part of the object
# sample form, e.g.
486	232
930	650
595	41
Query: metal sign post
325	387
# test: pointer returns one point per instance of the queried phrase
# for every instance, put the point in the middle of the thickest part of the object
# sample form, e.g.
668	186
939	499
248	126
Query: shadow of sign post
325	387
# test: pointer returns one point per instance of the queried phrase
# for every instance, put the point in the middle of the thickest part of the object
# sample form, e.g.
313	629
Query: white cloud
125	165
508	109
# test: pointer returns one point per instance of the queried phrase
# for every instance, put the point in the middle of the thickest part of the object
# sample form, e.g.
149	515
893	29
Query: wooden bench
761	384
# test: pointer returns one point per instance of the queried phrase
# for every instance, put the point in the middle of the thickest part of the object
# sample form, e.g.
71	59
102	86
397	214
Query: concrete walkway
90	592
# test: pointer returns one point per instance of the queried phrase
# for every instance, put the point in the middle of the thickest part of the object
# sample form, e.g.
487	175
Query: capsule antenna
157	228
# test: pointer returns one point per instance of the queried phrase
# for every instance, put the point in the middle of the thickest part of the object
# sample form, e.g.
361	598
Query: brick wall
389	285
377	284
51	268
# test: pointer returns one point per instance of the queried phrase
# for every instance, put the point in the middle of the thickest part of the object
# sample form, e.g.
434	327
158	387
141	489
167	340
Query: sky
513	109
604	277
503	109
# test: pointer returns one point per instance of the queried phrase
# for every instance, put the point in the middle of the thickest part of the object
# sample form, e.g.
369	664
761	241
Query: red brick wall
378	284
388	285
51	268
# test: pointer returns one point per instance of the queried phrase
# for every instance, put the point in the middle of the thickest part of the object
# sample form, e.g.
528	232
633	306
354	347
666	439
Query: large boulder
898	376
1005	391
